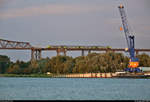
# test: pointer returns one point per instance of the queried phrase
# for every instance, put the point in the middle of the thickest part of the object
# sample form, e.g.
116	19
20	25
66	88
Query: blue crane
134	62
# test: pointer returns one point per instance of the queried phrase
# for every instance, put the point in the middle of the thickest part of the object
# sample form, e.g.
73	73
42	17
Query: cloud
49	9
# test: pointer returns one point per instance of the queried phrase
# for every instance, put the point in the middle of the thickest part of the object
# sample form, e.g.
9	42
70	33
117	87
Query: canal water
74	89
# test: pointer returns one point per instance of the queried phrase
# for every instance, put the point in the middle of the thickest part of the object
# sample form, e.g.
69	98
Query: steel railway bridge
36	52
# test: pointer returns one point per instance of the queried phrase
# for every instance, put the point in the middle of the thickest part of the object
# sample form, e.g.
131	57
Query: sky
72	22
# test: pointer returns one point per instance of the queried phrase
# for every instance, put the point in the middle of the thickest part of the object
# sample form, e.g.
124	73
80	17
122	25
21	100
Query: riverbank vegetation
92	63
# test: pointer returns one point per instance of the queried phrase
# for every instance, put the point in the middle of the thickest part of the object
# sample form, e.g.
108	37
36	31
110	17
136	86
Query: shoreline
64	76
27	75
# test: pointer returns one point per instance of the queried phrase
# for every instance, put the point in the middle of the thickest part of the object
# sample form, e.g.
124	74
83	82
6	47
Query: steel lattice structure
36	52
7	44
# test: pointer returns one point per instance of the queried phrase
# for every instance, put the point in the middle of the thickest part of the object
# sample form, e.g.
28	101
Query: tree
144	60
14	69
44	65
35	67
93	62
4	63
61	64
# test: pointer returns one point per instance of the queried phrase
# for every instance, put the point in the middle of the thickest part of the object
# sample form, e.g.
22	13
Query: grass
27	75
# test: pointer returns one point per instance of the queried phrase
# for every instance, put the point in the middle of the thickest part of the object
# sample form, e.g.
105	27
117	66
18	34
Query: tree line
92	63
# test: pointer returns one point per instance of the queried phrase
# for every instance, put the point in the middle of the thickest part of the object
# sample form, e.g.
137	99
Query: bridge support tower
137	52
89	51
36	54
82	53
59	50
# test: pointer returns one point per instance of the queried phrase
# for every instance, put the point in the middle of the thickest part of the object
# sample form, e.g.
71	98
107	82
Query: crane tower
134	62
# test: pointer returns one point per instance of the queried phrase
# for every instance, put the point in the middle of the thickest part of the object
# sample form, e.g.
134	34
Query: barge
133	75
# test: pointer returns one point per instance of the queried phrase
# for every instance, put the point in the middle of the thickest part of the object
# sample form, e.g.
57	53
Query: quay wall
87	75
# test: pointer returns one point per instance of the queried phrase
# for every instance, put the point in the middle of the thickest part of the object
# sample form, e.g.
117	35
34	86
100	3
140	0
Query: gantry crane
133	62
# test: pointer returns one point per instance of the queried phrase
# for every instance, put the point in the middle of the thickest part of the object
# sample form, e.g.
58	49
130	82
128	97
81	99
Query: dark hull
133	76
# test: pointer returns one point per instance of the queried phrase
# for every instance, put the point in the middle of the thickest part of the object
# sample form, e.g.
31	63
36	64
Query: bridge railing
71	46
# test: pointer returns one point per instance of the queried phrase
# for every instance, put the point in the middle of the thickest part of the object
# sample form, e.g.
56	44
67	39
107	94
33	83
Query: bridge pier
89	51
59	50
107	51
65	52
137	52
82	53
113	51
36	54
32	55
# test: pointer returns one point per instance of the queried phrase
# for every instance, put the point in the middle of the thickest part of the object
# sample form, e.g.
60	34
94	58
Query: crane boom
124	22
134	62
129	37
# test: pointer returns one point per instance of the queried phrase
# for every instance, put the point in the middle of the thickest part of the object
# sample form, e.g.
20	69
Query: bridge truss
36	52
7	44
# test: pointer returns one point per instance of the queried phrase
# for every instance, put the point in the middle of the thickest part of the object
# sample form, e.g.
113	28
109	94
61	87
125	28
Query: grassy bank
27	75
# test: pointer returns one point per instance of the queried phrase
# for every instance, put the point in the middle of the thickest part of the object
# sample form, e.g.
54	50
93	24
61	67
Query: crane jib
129	38
134	62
